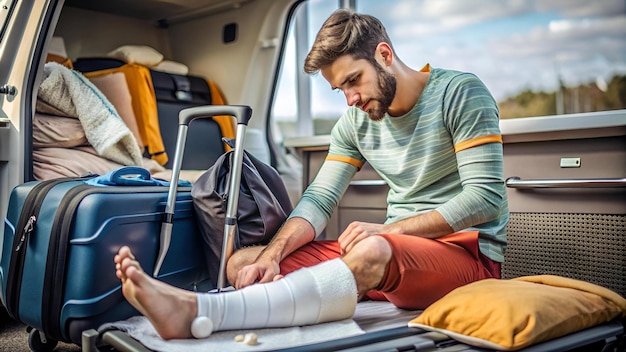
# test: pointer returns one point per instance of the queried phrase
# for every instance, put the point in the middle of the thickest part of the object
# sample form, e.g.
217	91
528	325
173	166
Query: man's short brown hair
345	32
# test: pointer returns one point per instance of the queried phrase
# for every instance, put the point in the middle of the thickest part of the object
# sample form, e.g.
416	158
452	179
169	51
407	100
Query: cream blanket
369	316
141	329
69	93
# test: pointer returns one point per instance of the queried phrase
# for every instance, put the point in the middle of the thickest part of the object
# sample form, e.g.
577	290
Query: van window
538	58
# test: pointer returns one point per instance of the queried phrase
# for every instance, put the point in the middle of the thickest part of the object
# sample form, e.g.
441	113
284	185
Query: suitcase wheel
38	342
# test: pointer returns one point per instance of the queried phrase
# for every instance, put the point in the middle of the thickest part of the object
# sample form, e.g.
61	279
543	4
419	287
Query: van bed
385	329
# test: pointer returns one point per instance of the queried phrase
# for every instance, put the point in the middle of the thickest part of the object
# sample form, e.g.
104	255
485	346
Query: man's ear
384	54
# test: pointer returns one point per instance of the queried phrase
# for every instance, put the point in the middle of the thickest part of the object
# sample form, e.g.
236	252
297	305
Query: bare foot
170	309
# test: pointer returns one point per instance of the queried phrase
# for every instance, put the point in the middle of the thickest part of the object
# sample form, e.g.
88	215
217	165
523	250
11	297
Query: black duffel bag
263	205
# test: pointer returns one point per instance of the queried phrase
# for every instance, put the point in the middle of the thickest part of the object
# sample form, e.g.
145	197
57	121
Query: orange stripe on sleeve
494	138
344	159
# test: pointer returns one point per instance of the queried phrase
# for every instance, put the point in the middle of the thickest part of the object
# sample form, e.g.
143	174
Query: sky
512	45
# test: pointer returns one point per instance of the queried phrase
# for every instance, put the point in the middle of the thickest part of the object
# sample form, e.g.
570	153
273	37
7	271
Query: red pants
421	270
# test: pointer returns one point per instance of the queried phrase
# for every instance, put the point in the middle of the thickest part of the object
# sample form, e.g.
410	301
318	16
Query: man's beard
386	93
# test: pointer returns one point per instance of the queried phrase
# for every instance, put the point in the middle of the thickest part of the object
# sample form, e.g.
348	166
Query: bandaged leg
322	293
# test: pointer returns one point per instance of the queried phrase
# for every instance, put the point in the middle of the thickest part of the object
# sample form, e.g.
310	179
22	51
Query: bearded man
432	135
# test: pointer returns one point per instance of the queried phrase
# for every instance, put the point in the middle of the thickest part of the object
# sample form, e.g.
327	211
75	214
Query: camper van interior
91	87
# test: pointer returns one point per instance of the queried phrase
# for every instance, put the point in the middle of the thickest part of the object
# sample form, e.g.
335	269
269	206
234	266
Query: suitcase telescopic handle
242	113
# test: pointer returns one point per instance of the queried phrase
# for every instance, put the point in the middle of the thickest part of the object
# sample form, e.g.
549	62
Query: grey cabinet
566	186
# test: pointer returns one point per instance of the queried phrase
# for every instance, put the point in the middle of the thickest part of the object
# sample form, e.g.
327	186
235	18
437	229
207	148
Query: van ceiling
158	11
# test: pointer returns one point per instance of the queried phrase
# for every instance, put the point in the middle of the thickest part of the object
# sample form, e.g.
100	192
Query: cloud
417	19
581	36
454	14
566	41
584	40
583	8
576	53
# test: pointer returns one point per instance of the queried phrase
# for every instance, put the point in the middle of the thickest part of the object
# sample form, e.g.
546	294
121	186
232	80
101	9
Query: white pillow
172	67
139	54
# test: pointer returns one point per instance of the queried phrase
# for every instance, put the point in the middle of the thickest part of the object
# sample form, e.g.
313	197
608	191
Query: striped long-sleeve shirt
445	154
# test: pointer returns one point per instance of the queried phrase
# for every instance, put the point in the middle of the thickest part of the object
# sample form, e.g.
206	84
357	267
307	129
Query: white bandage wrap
336	288
322	293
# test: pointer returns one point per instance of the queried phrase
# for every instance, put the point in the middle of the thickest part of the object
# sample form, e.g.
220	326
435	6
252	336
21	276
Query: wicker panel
589	247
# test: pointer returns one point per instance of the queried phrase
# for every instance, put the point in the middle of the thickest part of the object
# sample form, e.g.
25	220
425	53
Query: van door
26	27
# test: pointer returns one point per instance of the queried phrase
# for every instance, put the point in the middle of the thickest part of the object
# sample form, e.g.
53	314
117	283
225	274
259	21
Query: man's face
367	85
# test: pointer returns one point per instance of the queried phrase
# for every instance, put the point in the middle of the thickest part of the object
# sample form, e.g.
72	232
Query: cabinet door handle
368	183
516	182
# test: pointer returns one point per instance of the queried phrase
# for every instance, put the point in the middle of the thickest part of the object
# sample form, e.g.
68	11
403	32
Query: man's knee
374	249
240	258
367	260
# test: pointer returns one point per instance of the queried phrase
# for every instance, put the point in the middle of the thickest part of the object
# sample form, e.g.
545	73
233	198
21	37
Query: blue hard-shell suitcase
57	272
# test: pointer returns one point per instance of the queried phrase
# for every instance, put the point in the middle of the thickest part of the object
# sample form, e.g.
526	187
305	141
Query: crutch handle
242	113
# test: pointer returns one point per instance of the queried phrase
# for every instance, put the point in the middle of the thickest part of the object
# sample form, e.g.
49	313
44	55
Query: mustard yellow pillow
513	314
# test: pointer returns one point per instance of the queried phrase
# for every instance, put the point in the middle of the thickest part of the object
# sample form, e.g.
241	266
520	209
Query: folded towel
142	330
73	95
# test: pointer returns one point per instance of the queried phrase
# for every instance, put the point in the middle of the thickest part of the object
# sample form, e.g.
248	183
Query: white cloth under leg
322	293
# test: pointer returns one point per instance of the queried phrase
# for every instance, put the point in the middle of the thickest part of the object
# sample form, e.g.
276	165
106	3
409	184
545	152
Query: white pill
250	339
239	338
201	327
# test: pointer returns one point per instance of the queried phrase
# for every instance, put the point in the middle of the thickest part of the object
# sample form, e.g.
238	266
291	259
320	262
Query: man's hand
295	233
358	231
262	270
427	225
